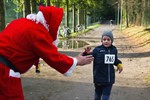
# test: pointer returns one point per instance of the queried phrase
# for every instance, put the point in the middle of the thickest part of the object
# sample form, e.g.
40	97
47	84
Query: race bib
109	59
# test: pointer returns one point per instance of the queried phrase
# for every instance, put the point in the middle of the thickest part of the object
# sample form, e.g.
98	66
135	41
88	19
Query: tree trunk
27	7
48	2
2	15
34	6
67	13
74	18
126	4
138	12
146	13
85	17
81	19
79	15
138	19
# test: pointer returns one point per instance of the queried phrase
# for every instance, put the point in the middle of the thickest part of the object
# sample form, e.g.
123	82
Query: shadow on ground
120	55
47	89
137	45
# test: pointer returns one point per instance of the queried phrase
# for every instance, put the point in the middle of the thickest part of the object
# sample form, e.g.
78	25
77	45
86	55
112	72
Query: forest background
125	13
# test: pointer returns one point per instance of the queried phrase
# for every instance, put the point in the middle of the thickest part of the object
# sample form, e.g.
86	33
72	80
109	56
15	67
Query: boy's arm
118	63
119	68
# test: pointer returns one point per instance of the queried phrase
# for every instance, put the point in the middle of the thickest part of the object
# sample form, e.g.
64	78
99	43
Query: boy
105	56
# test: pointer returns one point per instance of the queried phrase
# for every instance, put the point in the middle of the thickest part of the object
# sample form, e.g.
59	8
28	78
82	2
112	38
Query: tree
139	8
27	7
146	15
126	12
136	12
73	17
2	15
48	2
33	6
67	13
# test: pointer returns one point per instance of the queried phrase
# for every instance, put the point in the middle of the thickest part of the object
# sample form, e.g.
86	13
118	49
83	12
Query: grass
141	37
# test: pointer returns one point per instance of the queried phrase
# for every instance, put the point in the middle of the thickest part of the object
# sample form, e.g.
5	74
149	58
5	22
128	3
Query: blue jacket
104	59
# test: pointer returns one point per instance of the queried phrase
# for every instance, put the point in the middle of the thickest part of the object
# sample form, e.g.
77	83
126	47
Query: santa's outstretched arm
43	46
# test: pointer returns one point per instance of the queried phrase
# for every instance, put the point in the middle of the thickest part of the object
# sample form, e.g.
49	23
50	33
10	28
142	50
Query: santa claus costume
23	42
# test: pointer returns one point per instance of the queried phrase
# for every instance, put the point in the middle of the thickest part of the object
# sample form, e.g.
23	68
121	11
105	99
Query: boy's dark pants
102	92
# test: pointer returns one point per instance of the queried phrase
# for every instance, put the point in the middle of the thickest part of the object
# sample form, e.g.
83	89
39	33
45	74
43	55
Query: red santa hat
53	17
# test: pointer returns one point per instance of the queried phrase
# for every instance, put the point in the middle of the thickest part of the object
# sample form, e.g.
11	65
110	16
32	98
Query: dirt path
130	84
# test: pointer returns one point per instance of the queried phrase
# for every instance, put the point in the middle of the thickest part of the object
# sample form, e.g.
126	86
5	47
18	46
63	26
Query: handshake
84	57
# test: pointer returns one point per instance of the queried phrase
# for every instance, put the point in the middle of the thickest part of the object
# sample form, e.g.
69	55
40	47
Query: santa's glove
119	68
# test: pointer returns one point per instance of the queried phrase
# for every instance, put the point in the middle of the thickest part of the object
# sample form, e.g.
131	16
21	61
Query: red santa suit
24	41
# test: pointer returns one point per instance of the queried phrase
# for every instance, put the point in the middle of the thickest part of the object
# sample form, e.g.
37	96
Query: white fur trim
14	74
69	72
39	17
56	42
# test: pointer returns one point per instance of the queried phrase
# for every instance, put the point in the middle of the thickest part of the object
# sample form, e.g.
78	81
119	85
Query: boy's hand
87	50
119	68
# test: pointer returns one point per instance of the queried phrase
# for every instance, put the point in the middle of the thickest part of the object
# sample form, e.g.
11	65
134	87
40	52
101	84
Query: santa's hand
83	60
